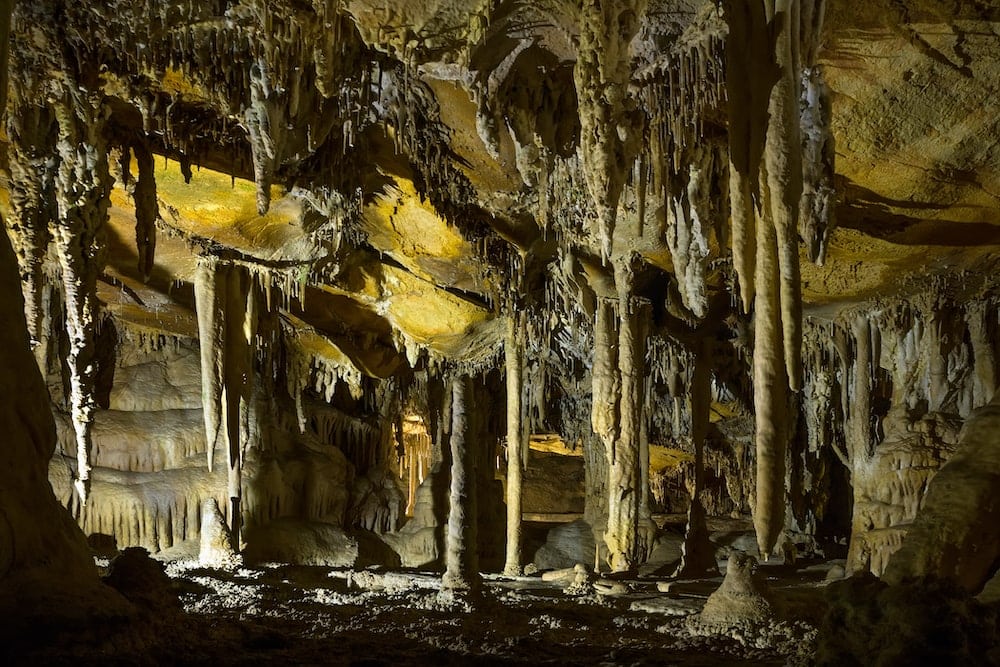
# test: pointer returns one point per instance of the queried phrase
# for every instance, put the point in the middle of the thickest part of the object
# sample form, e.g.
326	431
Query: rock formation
502	286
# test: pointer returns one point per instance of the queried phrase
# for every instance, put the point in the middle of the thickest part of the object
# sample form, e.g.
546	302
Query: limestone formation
743	596
617	289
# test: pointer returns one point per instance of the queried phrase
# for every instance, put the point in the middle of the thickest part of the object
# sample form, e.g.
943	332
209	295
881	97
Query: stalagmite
461	553
146	209
82	187
516	439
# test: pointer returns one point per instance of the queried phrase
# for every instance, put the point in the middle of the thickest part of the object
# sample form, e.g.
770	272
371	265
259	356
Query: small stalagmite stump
216	548
743	596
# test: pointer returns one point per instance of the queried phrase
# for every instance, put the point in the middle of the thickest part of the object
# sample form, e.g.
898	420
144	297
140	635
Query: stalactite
770	387
227	303
262	124
609	140
783	167
817	207
517	439
209	290
241	328
937	367
982	319
764	77
32	172
747	123
82	187
146	209
688	225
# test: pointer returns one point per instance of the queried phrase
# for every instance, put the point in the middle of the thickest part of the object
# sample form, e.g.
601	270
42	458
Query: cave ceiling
402	173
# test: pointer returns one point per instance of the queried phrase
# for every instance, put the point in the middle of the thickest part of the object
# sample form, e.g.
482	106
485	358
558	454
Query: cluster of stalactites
670	365
291	75
692	213
60	187
412	121
683	169
610	133
303	370
921	354
681	90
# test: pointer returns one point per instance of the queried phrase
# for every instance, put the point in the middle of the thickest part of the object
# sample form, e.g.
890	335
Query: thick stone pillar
630	531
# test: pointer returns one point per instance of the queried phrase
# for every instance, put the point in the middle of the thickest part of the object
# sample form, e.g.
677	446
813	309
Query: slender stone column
516	441
461	553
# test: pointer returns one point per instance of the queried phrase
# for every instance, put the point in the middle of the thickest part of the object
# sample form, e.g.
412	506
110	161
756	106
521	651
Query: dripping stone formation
645	330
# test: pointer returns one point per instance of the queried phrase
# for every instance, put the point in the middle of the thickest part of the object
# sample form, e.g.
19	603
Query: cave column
227	307
82	189
605	389
860	447
461	553
983	354
516	440
698	555
629	534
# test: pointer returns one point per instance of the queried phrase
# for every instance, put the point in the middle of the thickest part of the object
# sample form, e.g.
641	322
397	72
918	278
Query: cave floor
283	614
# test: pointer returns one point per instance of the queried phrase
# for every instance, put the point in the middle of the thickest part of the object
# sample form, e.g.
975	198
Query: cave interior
438	331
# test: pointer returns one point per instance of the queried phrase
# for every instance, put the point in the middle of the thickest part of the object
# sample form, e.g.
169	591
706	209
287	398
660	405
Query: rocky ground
282	614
